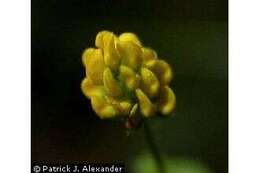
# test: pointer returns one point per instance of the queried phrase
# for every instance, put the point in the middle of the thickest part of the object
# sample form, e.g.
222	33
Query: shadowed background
190	35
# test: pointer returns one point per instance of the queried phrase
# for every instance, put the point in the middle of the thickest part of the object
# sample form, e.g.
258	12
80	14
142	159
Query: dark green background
190	35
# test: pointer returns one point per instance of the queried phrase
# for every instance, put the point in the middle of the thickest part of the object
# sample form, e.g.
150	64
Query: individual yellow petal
127	36
146	106
86	55
125	107
148	54
99	42
111	56
130	54
162	70
93	60
167	101
111	85
89	89
102	108
129	77
149	82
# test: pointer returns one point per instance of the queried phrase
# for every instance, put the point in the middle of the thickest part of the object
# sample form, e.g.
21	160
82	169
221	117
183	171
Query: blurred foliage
146	164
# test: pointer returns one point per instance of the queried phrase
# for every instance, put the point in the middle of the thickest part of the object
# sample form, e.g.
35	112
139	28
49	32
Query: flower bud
130	37
111	84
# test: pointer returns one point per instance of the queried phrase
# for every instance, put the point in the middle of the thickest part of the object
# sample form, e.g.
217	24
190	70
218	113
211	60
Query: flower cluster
126	80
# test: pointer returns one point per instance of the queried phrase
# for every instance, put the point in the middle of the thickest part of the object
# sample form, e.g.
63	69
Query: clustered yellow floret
124	78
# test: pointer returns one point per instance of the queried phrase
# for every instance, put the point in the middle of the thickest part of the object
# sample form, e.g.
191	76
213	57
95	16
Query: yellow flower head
126	80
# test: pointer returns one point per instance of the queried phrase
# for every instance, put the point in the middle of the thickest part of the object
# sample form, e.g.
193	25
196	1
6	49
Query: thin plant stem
153	148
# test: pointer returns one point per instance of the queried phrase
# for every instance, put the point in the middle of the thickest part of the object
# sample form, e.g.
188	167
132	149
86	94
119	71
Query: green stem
153	148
